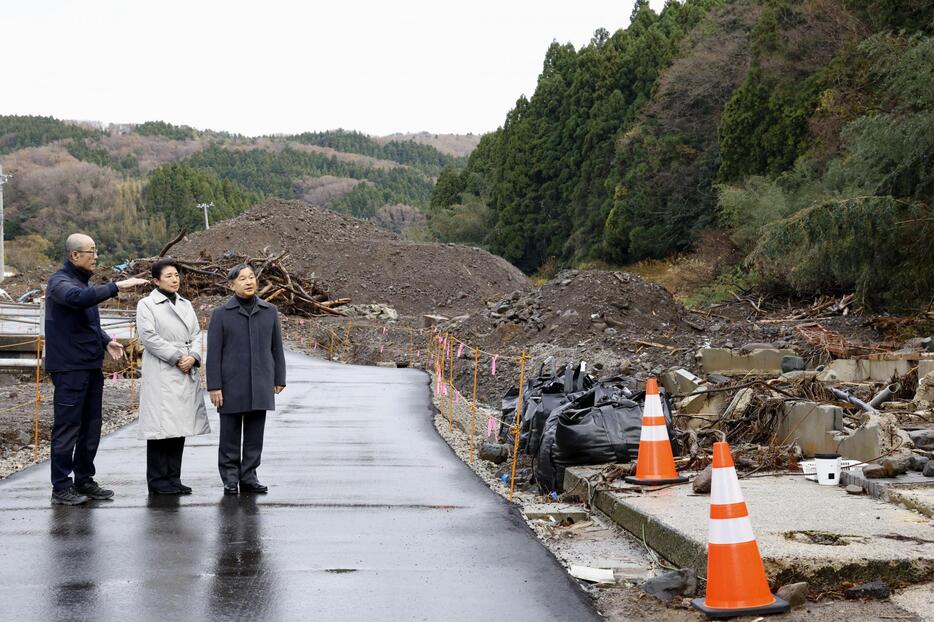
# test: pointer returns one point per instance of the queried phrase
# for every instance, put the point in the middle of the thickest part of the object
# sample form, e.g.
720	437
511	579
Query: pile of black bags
571	418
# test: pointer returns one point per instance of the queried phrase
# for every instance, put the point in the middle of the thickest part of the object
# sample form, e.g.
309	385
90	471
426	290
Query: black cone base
632	479
779	606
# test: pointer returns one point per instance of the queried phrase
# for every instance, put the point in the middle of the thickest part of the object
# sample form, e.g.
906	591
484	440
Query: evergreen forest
803	128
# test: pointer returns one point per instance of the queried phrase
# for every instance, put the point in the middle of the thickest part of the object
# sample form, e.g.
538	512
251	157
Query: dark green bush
877	247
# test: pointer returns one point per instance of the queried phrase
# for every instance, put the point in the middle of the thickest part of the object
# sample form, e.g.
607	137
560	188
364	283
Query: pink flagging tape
493	365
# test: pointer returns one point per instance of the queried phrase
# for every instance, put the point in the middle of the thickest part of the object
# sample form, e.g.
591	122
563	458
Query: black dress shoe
185	490
256	488
230	489
165	491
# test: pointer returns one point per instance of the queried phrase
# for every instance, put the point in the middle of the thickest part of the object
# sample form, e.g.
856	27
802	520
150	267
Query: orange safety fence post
451	388
38	394
515	428
441	366
473	406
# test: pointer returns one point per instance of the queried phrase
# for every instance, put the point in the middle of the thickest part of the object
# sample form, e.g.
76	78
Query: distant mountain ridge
133	186
457	145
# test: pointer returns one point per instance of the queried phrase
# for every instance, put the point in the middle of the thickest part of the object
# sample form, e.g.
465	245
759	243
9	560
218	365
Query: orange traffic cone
656	463
736	583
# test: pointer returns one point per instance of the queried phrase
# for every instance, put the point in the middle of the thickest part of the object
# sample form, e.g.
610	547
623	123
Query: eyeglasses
94	252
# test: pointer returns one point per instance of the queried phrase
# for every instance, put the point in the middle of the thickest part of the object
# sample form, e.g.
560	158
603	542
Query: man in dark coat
245	371
74	356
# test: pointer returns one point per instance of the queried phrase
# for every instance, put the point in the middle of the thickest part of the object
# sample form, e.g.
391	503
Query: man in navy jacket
74	356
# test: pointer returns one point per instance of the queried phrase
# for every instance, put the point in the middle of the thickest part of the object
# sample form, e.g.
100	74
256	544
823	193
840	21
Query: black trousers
236	461
76	428
164	463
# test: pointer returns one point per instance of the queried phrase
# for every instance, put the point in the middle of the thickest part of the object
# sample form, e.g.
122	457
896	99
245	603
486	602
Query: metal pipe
846	397
885	394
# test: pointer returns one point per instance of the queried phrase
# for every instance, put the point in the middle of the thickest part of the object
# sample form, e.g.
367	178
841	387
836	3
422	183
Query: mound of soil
360	259
593	305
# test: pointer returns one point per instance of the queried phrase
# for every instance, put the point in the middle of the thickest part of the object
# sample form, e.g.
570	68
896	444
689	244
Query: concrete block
765	362
811	425
705	407
925	368
865	370
680	381
740	403
433	320
863	444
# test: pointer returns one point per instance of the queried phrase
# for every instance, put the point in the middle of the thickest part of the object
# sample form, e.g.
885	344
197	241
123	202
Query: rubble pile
776	408
293	293
588	305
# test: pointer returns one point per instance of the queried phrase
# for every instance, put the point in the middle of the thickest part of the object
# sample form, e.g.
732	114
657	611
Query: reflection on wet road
369	516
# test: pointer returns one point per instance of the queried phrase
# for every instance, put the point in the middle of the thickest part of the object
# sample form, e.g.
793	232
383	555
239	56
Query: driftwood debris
292	293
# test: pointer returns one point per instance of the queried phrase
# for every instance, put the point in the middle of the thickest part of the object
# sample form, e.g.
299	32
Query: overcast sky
279	67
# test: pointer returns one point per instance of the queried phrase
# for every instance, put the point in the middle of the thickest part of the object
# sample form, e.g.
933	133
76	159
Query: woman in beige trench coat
171	399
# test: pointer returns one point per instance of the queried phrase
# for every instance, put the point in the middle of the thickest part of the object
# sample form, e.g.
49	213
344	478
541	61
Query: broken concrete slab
876	368
698	410
740	403
429	320
805	532
810	425
680	381
925	392
911	490
764	362
819	428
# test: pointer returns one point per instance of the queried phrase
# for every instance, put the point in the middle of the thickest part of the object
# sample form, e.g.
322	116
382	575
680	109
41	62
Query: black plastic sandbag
597	427
541	394
543	468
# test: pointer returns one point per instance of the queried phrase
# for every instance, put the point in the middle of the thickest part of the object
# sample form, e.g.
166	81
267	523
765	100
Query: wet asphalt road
370	516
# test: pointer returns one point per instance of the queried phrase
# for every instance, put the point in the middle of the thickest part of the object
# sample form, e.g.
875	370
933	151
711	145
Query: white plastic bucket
828	469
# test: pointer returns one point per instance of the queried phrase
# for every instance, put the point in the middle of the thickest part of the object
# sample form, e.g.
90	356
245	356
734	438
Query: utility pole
203	206
3	180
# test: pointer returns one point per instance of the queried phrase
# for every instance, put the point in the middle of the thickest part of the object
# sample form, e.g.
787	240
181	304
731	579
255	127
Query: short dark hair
161	265
236	270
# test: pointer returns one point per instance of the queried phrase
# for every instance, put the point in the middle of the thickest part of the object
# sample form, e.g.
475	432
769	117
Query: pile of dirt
593	305
361	260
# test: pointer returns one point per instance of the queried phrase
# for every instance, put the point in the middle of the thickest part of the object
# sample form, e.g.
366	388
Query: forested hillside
804	128
134	187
